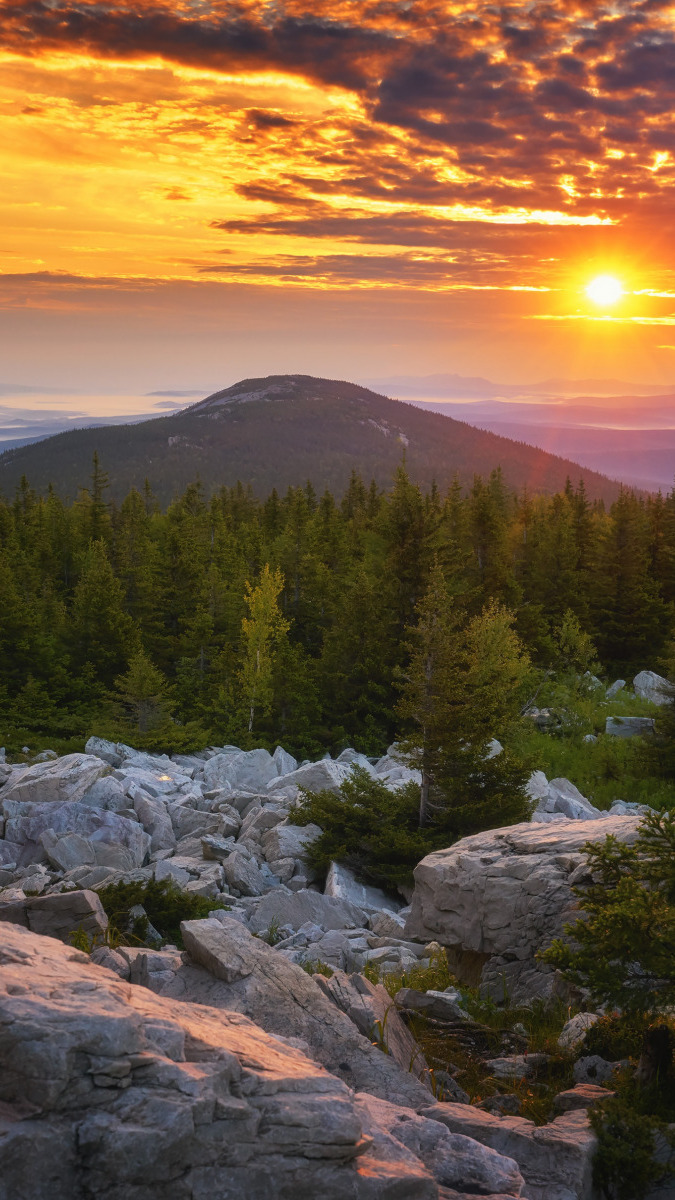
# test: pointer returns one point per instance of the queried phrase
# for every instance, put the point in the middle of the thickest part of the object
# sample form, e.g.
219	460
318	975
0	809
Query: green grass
611	768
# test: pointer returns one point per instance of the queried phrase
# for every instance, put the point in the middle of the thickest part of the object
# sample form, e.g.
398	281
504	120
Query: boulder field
227	1069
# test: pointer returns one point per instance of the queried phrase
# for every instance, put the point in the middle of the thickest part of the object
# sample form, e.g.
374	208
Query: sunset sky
195	192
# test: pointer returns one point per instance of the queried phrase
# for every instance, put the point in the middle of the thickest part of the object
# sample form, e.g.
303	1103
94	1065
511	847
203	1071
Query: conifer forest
293	617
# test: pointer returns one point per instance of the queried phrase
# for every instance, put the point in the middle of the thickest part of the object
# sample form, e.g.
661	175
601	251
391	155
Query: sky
202	191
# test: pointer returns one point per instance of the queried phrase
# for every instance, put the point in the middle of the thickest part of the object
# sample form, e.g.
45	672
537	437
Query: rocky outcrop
555	1160
58	916
107	1090
226	966
495	899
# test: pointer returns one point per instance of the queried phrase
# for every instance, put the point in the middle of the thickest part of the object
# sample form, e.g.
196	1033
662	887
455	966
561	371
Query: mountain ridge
281	430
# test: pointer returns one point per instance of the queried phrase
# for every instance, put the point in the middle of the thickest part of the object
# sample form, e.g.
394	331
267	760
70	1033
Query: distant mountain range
283	430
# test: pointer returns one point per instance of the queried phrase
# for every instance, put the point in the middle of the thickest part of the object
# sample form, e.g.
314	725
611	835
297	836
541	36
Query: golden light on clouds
429	147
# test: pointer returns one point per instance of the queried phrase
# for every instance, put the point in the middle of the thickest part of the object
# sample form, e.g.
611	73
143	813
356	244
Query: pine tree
101	632
461	686
144	692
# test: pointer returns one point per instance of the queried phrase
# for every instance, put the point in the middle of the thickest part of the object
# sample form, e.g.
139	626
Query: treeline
107	611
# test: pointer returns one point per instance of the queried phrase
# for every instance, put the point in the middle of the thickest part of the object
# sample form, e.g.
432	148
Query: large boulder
227	967
55	781
496	898
110	1091
288	841
325	775
373	1011
624	727
556	1160
342	884
455	1160
650	686
29	821
245	770
295	908
58	916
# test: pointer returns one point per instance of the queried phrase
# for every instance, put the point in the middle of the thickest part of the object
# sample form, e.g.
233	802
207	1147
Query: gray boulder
625	727
296	908
560	798
285	840
650	686
443	1006
153	816
593	1069
614	689
373	1011
106	793
109	1090
248	770
68	851
342	884
284	762
32	820
56	916
325	775
65	779
556	1160
242	873
456	1161
109	752
496	898
574	1031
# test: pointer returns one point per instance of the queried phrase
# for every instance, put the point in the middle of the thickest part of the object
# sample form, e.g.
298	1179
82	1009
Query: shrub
165	906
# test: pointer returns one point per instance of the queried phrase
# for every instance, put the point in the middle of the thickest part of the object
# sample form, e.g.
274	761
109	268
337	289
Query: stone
555	1160
373	1011
59	915
108	751
387	923
153	816
217	848
650	686
342	884
243	874
443	1006
65	779
284	762
614	688
109	1090
516	1066
229	967
68	850
455	1161
295	908
325	775
563	798
574	1031
106	792
285	840
249	770
495	899
624	727
98	825
582	1095
593	1069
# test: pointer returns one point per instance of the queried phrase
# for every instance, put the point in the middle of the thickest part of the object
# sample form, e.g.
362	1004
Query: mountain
466	387
284	430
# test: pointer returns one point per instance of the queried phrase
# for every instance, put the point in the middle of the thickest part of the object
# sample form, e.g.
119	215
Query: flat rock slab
110	1091
66	778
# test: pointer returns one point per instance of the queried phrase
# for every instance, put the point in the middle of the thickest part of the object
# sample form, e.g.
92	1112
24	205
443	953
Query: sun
604	290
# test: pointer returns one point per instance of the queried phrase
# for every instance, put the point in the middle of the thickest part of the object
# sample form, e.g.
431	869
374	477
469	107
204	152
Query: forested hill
278	431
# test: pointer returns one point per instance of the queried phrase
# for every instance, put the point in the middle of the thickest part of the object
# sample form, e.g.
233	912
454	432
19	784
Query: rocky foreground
227	1070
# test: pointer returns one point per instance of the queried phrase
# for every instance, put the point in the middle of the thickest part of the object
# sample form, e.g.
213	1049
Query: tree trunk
655	1068
424	798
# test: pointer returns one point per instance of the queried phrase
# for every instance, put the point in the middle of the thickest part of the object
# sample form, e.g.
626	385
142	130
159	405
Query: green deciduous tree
262	631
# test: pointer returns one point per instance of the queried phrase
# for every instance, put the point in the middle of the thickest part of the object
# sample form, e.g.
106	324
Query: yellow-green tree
263	630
